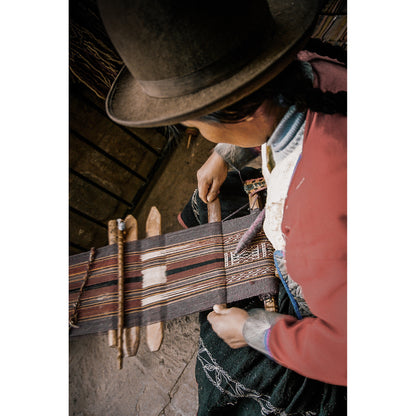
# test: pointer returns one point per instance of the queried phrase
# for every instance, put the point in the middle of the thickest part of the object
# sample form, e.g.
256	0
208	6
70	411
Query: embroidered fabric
233	388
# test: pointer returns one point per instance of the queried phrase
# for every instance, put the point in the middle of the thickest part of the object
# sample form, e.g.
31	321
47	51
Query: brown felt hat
187	58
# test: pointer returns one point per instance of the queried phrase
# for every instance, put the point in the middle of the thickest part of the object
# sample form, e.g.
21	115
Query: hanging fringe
92	59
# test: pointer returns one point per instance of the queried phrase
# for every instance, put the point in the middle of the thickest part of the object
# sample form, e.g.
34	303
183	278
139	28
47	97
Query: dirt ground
161	383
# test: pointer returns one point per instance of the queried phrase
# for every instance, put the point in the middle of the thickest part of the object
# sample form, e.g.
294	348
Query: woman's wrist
235	156
257	326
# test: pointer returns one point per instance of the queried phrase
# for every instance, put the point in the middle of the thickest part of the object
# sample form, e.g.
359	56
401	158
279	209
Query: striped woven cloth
171	275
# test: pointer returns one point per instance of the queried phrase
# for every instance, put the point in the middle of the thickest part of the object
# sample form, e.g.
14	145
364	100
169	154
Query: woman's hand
211	176
228	324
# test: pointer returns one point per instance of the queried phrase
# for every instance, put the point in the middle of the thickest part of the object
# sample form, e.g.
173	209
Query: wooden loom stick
112	239
131	336
120	321
214	215
154	332
214	210
255	202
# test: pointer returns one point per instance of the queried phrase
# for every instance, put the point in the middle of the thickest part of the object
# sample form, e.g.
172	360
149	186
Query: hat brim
128	105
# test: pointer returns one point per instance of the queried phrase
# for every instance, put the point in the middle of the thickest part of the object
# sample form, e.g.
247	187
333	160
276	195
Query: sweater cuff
257	327
235	156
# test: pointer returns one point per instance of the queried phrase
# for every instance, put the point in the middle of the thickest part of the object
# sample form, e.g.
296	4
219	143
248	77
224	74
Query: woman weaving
238	73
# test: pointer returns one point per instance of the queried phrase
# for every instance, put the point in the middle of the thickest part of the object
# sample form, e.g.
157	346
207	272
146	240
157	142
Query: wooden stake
154	332
190	132
131	341
112	232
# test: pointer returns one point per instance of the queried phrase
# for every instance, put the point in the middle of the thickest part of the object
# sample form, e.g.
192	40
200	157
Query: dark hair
327	49
293	86
173	133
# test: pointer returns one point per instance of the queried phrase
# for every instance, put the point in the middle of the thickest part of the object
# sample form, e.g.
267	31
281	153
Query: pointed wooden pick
154	332
154	336
153	223
131	228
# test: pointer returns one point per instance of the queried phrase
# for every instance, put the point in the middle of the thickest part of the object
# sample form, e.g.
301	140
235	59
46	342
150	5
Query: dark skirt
245	382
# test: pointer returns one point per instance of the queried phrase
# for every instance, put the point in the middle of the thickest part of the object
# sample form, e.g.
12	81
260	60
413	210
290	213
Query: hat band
210	74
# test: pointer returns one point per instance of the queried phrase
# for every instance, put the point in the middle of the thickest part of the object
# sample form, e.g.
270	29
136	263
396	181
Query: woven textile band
171	275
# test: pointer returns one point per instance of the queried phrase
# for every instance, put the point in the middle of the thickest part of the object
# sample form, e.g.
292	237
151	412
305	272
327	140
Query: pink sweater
315	226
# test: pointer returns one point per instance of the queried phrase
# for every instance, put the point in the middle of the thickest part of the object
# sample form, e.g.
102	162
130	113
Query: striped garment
171	275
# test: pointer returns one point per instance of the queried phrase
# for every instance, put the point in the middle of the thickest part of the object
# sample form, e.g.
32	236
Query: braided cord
74	317
292	299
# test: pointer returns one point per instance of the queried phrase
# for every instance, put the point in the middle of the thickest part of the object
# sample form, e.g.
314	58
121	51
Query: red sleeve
315	225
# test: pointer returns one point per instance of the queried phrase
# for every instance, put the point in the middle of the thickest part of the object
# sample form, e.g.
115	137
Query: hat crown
178	47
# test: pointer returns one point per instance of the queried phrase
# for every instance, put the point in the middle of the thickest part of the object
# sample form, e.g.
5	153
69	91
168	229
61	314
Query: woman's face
249	133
